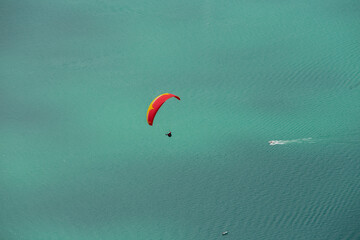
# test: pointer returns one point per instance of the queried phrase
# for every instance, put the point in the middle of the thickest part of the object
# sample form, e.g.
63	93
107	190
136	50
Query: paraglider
155	106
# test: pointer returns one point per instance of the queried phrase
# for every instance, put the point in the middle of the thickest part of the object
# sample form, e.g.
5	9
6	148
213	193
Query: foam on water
283	142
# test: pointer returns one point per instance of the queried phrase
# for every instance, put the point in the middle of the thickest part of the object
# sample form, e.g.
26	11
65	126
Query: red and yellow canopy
156	104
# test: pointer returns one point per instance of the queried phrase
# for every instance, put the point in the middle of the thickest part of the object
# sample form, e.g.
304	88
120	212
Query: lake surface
78	160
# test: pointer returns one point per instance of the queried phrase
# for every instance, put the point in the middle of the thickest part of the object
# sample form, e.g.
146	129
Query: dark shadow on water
354	86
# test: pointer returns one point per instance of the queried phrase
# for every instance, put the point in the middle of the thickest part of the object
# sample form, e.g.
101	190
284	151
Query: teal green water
78	160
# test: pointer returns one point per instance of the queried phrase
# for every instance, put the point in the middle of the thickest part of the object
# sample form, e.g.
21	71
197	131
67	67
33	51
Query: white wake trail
300	140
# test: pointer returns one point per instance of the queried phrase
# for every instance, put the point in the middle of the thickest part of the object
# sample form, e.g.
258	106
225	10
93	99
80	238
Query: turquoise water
78	160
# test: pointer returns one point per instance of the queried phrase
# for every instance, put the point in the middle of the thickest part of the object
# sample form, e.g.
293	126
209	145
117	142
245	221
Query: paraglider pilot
168	134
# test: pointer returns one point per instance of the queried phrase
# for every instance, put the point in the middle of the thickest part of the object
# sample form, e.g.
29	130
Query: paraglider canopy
156	104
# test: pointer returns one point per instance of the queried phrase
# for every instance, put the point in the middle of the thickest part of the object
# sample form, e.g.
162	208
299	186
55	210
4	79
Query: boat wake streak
300	140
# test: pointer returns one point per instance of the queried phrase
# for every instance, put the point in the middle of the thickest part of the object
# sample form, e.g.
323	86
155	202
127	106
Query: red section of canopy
156	104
